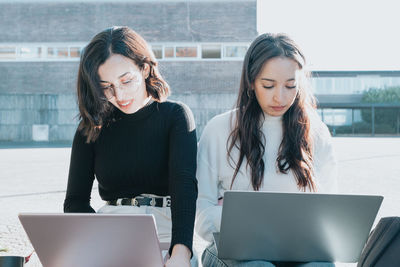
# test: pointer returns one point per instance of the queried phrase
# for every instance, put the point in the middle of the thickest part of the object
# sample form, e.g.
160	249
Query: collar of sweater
272	119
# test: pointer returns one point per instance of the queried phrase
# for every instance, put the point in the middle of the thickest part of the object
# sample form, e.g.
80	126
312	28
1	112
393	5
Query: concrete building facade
200	46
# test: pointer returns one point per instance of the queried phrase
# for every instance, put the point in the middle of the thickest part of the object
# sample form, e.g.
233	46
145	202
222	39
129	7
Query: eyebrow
119	77
270	80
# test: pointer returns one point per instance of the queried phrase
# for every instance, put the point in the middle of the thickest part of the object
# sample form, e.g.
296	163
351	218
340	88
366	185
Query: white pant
161	215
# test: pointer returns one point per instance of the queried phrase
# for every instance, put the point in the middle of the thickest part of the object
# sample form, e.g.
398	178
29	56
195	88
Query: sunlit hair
295	151
94	109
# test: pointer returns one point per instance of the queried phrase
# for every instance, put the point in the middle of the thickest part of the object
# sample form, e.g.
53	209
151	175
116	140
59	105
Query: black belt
141	201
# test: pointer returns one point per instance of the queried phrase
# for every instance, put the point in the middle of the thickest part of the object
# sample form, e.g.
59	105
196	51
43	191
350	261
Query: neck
268	117
147	101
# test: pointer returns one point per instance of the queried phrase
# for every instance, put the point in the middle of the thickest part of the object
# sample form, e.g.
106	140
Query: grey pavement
34	180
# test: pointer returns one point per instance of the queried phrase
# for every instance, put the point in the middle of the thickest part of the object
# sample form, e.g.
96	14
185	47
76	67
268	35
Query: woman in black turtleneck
139	146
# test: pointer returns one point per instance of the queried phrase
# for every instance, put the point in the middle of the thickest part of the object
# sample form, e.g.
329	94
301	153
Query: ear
146	70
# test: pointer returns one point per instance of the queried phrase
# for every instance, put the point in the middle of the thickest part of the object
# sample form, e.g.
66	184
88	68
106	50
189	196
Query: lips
278	108
125	104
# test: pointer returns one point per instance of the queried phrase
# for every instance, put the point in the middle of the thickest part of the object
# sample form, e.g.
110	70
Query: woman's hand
180	257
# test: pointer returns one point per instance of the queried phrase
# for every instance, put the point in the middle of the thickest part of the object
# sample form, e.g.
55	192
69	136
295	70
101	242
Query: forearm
183	201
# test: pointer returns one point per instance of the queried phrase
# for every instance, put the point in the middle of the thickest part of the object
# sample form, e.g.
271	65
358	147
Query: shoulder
223	121
174	107
177	111
219	127
80	141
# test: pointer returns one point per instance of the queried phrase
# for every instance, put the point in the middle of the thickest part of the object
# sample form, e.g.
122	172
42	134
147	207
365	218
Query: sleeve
208	215
182	175
325	163
80	177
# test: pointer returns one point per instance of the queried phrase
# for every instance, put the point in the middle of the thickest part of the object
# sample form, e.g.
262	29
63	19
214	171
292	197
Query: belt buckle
134	202
168	202
153	201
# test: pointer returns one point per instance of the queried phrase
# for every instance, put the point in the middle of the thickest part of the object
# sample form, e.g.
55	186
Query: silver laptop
299	227
93	240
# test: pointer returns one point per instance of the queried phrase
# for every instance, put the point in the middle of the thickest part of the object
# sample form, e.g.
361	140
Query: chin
274	113
131	110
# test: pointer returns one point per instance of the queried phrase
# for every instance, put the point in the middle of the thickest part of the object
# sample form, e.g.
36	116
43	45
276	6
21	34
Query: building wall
38	97
156	21
60	77
21	114
44	93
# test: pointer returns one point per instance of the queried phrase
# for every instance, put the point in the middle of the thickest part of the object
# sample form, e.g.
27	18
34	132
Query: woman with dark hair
273	140
140	147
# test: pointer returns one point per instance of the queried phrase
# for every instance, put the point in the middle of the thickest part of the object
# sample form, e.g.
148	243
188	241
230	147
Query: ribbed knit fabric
214	172
152	151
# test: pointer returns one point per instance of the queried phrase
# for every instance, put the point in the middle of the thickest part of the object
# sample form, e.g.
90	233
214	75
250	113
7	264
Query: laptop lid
300	227
73	239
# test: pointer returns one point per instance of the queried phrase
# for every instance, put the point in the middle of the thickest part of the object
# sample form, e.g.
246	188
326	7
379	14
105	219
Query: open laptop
299	227
93	240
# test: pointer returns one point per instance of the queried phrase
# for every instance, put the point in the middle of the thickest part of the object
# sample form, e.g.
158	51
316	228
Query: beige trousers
161	215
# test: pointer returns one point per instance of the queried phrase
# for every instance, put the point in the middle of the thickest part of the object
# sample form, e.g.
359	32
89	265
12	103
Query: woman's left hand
180	257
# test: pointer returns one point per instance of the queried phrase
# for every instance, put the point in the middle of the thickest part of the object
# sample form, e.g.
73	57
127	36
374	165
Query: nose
119	94
278	94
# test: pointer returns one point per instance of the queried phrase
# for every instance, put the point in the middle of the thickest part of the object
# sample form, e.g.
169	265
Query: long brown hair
94	109
295	151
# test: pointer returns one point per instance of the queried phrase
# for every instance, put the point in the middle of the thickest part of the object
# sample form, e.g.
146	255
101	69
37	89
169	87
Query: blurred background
352	49
353	52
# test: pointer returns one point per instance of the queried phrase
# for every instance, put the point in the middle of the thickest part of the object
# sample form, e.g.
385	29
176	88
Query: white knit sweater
214	173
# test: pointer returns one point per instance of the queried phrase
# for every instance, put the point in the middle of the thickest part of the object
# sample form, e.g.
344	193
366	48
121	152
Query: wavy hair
295	151
94	109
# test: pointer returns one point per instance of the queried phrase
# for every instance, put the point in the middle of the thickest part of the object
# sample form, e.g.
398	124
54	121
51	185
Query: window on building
62	52
235	51
211	51
51	52
370	81
75	52
30	52
168	52
323	85
186	51
7	52
337	117
57	52
157	50
342	86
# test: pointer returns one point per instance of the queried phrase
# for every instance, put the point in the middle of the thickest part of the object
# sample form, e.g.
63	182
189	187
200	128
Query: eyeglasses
129	86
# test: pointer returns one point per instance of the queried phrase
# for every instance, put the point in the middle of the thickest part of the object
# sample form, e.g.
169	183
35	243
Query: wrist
180	250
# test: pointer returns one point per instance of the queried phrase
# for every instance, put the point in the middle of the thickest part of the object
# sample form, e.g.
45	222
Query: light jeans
210	259
162	216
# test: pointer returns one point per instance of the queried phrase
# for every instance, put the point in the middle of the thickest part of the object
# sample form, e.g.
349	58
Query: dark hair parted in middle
295	151
94	108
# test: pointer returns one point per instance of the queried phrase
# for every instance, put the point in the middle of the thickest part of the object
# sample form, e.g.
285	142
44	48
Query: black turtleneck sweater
151	151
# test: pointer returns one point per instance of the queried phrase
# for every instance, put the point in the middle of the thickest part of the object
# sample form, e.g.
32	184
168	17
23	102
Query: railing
373	109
